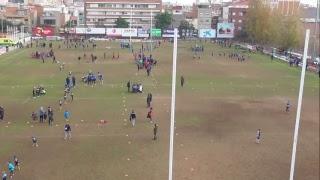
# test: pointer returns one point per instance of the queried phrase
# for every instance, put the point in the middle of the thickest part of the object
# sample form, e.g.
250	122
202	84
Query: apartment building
237	14
204	16
286	7
106	12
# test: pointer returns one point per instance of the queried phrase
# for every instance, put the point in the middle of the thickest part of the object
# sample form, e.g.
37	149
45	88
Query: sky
311	2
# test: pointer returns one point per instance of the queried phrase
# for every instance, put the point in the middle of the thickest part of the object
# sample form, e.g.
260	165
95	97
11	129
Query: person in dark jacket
50	116
155	131
73	81
182	81
67	132
1	113
128	86
133	118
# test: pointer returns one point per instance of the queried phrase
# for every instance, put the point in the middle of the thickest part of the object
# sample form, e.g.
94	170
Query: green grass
103	152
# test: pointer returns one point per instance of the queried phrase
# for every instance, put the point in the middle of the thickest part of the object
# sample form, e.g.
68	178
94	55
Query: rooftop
125	1
239	4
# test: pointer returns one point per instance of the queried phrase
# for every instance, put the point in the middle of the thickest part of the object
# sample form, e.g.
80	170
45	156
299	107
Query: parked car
316	61
54	38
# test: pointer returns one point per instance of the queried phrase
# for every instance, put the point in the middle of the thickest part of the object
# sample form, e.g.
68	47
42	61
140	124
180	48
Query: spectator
4	175
11	169
1	113
133	118
66	115
34	141
67	132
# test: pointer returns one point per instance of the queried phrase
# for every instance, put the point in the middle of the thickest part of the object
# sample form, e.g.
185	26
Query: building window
233	20
152	6
96	13
233	14
93	5
49	22
239	28
240	13
240	21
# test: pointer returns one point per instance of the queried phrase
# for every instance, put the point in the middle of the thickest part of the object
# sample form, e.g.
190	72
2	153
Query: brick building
237	14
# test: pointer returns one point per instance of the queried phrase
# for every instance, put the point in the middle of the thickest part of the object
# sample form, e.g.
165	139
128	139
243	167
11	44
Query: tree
121	23
70	23
289	34
258	22
268	26
163	20
184	26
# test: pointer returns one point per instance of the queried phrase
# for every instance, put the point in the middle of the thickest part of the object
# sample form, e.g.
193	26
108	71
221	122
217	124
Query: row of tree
162	21
266	26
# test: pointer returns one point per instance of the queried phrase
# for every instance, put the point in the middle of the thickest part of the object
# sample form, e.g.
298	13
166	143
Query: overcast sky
312	2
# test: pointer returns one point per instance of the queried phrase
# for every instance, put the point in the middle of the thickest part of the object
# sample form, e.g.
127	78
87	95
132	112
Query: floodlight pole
2	17
151	30
296	129
130	26
173	101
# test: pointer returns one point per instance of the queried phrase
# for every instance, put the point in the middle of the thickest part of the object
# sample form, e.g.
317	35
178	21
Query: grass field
218	112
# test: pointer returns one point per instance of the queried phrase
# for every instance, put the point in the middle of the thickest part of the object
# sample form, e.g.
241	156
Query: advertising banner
207	33
72	30
68	30
156	32
143	33
114	32
169	33
127	32
43	31
225	30
187	33
101	31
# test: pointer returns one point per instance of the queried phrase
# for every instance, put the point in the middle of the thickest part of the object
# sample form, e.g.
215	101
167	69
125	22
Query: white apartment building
106	12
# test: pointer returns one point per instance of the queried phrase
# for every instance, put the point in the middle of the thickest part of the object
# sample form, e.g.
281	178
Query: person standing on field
11	169
133	118
182	81
288	106
50	116
41	114
4	175
128	86
71	95
1	113
34	141
155	131
67	132
66	115
60	104
258	136
73	79
149	115
16	162
149	100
